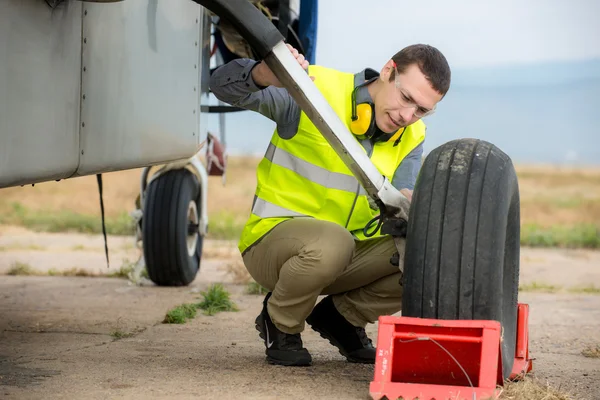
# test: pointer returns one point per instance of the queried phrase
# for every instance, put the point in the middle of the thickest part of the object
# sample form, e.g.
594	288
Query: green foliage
577	236
180	314
66	221
21	269
225	225
539	287
256	288
216	299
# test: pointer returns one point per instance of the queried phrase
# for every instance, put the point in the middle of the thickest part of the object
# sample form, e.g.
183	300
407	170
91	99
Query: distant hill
541	74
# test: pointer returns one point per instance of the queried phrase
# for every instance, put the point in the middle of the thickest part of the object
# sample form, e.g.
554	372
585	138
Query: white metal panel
204	65
39	90
140	78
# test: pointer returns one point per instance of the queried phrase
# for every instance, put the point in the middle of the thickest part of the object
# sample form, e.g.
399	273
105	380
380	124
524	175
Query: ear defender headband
363	118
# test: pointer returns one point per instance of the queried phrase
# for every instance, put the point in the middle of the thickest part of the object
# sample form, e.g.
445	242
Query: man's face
404	100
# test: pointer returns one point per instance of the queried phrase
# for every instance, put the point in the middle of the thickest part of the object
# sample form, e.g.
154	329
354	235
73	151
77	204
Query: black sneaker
281	348
352	341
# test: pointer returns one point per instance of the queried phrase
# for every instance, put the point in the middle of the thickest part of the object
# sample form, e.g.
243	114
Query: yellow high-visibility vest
304	177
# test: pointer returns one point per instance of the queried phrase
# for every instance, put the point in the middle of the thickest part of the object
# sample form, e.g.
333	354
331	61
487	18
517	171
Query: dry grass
119	334
541	287
23	269
19	246
232	263
73	272
591	351
559	195
559	206
531	389
80	195
237	271
226	251
589	289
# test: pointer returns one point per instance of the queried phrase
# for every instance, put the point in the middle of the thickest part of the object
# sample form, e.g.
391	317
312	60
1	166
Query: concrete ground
56	342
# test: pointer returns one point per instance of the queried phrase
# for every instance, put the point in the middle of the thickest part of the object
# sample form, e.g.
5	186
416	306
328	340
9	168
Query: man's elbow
213	83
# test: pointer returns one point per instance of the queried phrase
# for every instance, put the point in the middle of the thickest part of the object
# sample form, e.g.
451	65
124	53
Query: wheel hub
192	234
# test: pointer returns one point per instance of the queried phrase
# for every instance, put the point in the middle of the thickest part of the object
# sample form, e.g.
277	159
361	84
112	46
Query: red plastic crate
443	359
523	363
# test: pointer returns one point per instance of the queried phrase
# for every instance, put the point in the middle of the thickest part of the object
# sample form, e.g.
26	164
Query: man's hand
263	76
407	193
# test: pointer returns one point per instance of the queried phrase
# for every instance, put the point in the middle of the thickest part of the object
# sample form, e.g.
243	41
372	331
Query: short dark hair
431	62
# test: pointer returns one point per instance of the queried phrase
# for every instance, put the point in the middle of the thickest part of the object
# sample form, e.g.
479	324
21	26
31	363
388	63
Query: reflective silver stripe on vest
265	209
316	174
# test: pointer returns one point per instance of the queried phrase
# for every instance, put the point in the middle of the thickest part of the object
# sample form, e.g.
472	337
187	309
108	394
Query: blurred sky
471	33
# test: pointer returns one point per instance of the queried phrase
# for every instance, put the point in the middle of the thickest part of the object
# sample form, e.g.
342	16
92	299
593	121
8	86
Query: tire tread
164	228
455	267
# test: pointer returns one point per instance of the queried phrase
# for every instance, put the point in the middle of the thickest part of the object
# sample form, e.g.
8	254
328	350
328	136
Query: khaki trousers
303	258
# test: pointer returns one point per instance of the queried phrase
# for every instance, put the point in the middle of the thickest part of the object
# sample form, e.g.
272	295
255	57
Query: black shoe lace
292	341
362	335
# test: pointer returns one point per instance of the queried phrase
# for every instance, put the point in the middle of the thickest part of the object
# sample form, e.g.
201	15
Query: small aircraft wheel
171	241
462	245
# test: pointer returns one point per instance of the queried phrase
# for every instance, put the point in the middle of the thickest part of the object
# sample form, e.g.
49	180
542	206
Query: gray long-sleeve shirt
232	83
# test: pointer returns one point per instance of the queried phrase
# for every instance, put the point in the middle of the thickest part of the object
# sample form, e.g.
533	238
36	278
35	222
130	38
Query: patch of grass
180	314
591	289
216	299
119	334
256	288
21	269
577	236
591	351
123	271
225	225
74	272
531	389
18	246
539	287
569	202
66	221
71	272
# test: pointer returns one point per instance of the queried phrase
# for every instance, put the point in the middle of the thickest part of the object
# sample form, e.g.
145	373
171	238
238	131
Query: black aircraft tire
463	238
171	251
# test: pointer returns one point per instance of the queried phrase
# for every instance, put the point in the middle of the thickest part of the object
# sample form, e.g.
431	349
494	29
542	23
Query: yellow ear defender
363	118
